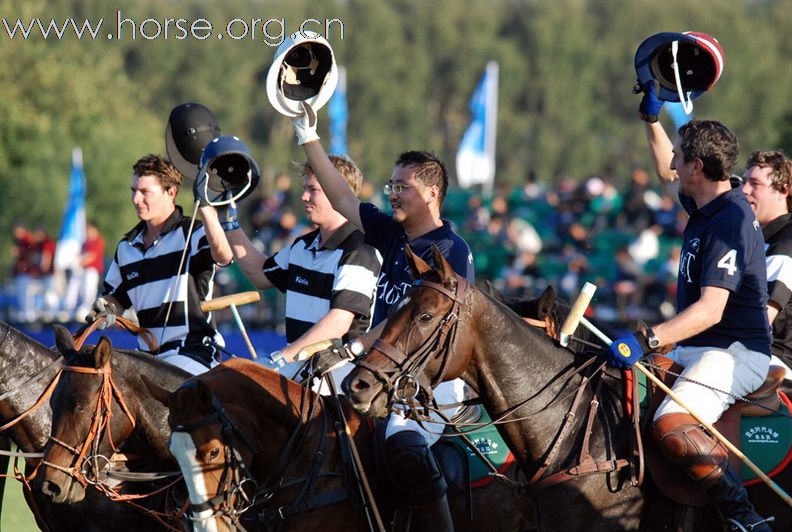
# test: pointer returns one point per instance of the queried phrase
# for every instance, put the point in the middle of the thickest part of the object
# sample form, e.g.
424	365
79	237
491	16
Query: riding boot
418	483
690	447
731	500
434	517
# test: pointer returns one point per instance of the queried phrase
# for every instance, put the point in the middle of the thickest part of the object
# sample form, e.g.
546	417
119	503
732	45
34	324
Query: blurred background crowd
625	240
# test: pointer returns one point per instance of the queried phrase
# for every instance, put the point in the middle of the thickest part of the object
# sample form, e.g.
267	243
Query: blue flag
475	159
339	116
72	233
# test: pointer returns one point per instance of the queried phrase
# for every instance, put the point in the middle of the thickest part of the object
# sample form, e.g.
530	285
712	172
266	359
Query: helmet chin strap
687	106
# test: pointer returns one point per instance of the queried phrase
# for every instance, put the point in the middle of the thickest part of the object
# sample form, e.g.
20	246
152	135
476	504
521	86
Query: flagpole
492	122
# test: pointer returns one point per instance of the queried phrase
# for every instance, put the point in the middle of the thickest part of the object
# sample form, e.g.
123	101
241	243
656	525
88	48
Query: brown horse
245	436
106	429
28	368
567	423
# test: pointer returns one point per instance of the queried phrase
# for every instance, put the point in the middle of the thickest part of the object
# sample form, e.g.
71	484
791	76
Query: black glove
331	358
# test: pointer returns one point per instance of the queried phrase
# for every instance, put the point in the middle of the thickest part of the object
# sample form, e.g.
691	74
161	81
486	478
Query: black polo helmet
190	127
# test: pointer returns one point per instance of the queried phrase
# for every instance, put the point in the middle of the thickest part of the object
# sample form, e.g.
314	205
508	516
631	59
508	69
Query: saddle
674	483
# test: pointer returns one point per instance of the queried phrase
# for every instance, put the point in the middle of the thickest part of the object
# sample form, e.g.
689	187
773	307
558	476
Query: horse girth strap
586	464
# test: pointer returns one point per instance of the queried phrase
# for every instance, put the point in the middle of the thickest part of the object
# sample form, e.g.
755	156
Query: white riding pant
190	365
736	370
444	393
775	361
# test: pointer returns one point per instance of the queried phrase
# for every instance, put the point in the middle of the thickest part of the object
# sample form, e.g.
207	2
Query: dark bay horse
26	369
445	330
243	421
104	424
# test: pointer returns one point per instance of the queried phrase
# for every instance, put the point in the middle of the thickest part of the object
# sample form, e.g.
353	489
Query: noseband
237	488
439	343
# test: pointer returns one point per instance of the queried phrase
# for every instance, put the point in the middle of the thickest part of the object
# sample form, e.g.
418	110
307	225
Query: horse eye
214	453
425	316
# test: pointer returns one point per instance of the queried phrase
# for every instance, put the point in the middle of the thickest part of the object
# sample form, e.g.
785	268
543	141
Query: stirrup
736	526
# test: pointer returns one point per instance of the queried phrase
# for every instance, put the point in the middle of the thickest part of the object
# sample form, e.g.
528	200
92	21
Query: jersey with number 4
723	246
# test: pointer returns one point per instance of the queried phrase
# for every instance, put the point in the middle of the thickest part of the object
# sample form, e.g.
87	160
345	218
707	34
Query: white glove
305	125
100	308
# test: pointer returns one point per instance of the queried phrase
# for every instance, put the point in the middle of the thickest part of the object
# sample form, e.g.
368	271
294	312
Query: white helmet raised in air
304	70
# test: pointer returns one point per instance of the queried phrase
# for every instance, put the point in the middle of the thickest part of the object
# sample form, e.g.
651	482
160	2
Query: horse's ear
64	341
417	265
546	302
156	391
443	267
102	352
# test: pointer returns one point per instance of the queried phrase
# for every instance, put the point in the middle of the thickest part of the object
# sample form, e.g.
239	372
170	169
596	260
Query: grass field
16	515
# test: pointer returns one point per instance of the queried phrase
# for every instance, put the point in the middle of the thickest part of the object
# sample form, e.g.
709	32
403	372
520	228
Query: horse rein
99	423
441	340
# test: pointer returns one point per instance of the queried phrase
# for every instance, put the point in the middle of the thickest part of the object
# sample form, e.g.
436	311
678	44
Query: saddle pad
489	441
765	440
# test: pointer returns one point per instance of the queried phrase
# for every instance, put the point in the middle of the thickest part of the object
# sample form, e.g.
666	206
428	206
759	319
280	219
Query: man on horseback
416	191
144	275
721	330
329	275
767	184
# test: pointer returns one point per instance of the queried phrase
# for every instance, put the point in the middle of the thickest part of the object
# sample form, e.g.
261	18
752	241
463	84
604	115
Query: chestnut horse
565	414
246	437
27	368
106	429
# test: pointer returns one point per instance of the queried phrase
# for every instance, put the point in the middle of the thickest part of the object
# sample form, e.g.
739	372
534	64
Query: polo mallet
231	301
576	316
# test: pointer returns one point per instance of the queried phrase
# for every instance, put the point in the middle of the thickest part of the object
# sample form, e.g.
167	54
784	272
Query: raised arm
335	187
661	150
249	259
660	146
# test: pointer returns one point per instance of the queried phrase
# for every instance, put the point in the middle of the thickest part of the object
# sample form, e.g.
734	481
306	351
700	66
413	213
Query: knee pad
688	445
413	470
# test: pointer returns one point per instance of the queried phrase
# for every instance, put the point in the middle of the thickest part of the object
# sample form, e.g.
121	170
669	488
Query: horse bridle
99	423
237	488
440	342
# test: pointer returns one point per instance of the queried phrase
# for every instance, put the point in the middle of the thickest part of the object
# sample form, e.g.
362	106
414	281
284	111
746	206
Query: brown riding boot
690	447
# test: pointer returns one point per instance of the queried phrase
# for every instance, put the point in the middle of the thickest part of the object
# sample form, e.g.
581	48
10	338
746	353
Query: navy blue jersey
389	238
723	246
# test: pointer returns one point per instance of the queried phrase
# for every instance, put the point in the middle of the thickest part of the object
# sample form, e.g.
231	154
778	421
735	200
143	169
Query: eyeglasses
395	188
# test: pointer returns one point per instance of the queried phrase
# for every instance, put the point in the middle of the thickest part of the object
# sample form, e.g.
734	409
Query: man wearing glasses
416	191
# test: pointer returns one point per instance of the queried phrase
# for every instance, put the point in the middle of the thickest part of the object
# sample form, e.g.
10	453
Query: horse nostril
50	489
360	385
